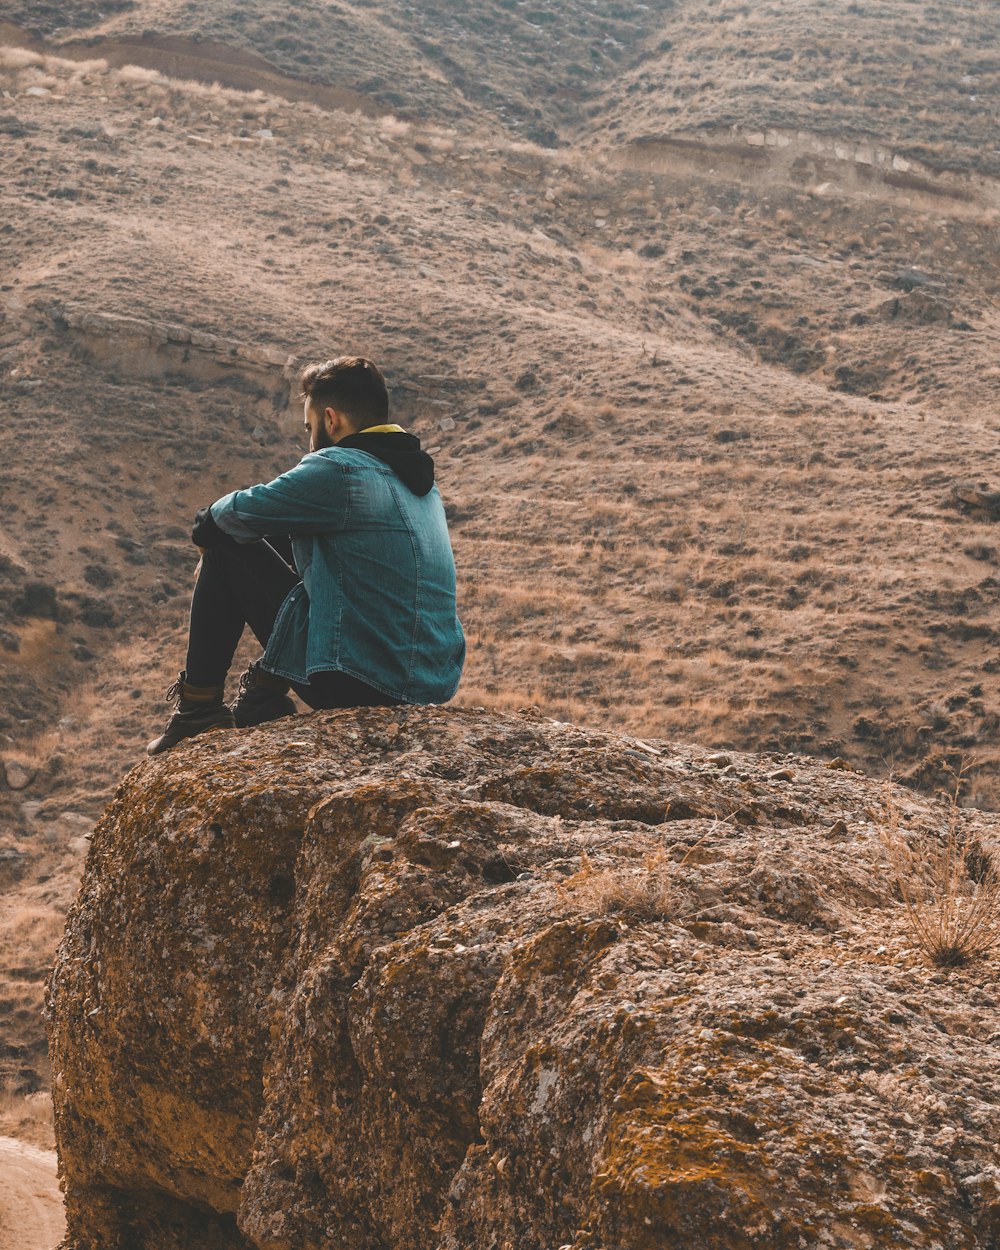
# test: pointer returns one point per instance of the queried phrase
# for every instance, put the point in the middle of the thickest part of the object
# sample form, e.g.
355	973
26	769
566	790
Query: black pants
243	584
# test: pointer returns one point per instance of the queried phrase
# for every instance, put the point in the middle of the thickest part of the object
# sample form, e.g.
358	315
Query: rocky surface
445	978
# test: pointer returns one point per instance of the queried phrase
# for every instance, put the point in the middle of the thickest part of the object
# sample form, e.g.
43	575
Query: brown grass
642	892
28	936
33	753
949	886
27	1117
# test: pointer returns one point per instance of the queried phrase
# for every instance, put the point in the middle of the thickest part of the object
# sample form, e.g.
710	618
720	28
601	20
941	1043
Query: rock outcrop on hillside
419	978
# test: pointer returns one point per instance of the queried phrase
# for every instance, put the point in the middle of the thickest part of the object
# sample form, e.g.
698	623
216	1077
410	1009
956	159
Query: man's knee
234	555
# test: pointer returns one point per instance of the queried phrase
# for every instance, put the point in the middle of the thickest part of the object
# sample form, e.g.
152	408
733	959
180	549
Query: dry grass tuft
33	753
28	937
18	58
643	892
394	127
949	884
27	1117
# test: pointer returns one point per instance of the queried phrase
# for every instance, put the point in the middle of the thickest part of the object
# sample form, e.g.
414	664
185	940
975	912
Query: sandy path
31	1209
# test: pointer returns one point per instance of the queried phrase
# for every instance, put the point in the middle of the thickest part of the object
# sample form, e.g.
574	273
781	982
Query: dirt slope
920	79
31	1209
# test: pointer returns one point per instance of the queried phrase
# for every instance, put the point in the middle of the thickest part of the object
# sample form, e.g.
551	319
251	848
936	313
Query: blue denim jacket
377	597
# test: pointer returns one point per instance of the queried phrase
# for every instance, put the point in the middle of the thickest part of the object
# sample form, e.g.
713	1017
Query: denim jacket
377	596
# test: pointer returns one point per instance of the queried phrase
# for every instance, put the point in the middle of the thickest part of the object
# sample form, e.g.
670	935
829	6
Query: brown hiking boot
199	709
262	697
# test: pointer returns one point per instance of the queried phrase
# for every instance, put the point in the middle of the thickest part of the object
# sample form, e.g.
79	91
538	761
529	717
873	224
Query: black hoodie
401	452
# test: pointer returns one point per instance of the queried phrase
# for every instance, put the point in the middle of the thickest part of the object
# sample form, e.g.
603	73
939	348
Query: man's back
378	575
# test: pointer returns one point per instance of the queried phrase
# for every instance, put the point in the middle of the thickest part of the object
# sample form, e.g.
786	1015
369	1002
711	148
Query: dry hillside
920	79
701	361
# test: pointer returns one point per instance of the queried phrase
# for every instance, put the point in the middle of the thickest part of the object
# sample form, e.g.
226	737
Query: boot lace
248	679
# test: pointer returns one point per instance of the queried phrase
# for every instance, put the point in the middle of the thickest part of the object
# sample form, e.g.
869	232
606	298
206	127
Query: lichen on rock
331	983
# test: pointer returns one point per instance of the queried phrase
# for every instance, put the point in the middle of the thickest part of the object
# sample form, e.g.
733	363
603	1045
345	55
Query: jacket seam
416	594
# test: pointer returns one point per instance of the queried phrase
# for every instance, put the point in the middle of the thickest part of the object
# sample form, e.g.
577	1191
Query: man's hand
206	533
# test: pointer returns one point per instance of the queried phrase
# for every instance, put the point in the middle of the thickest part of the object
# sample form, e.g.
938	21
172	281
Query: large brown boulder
436	979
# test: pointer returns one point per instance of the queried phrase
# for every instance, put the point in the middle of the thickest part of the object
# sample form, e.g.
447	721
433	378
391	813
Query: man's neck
377	429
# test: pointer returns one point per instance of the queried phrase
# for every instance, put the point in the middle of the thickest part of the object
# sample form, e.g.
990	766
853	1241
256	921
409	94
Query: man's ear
330	421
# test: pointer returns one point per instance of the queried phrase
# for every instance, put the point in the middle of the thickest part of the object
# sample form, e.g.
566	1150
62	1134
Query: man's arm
205	532
309	499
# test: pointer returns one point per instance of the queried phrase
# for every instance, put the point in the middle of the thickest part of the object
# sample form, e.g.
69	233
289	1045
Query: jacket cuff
206	532
226	518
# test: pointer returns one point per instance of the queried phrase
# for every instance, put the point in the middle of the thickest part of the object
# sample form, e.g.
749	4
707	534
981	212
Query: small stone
12	861
76	820
19	776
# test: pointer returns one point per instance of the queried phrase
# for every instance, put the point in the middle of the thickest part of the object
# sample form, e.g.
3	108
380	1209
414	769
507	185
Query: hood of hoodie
401	452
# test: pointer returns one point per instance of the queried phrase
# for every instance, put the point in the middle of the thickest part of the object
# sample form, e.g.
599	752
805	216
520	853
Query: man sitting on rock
368	619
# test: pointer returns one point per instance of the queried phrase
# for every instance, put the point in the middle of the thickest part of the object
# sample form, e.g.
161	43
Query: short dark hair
352	385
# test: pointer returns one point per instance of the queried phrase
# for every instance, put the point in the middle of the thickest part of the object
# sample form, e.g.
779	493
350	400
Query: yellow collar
382	429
